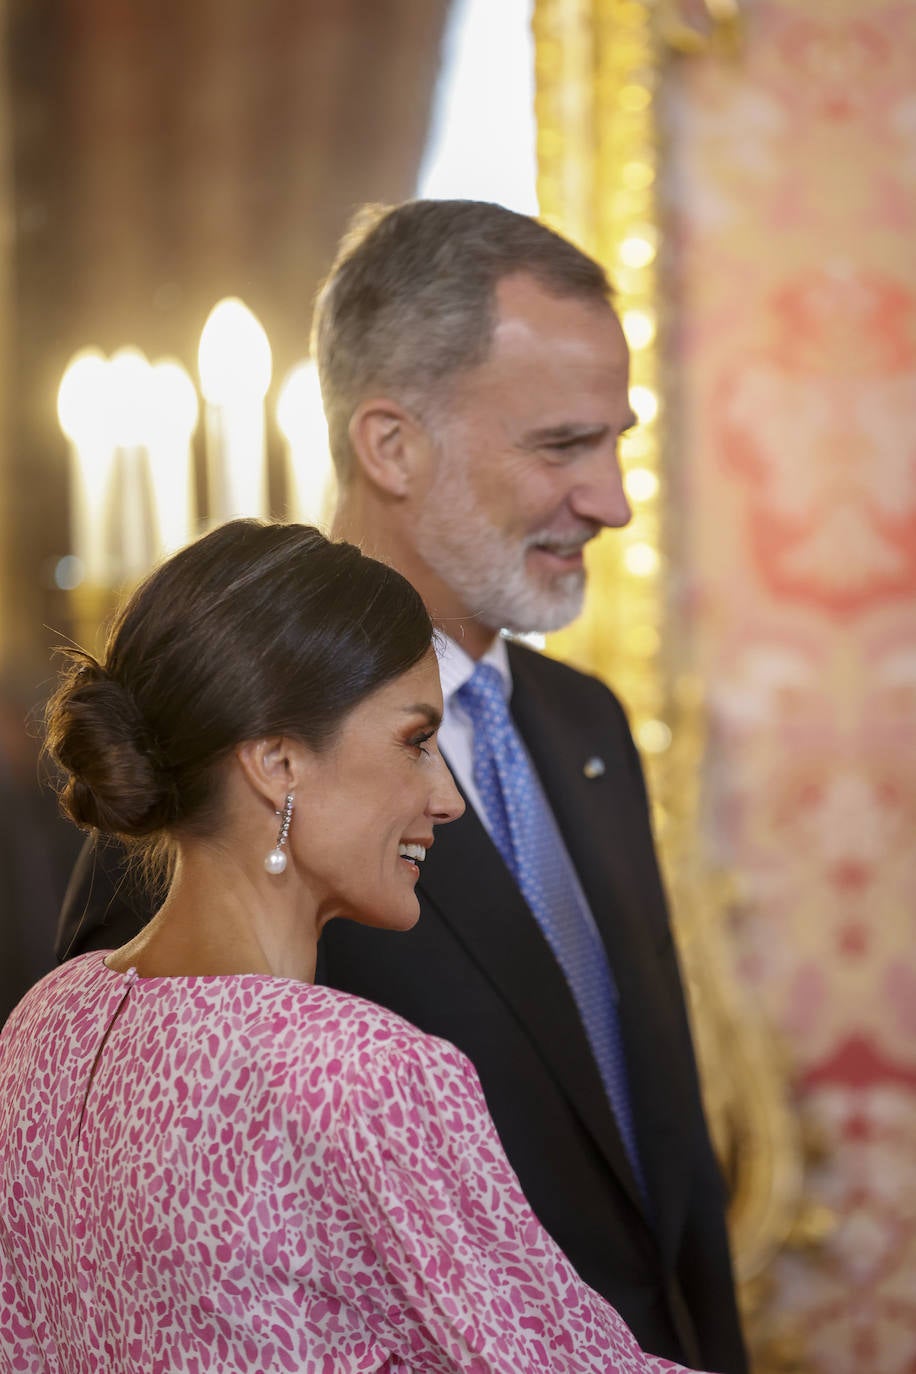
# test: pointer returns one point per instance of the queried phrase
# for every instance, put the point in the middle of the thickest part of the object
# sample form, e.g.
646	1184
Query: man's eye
564	448
574	443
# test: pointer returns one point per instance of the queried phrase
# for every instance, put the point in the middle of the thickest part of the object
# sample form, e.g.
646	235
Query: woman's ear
389	443
274	766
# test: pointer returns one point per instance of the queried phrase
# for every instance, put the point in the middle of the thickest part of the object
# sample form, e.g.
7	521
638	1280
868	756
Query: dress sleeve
464	1277
20	1352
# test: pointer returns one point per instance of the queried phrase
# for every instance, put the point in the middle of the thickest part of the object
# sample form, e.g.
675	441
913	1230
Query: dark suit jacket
477	970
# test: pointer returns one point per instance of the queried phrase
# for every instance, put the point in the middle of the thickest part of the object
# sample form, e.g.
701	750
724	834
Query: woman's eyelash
419	741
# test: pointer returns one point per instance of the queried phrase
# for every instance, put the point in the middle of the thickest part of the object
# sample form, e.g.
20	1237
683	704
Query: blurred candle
173	419
234	361
301	421
84	413
132	529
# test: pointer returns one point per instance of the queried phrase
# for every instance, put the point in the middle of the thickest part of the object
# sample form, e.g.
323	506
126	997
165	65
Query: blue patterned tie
525	833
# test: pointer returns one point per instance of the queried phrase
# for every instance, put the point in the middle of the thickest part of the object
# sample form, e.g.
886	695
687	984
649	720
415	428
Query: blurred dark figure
37	852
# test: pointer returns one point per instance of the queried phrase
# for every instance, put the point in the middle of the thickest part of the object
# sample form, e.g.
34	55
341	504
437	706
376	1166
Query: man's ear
390	445
273	766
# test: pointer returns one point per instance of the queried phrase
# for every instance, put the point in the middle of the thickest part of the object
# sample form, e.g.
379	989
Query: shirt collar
456	665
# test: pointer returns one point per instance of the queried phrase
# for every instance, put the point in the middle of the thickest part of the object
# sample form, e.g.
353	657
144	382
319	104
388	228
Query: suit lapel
466	880
596	817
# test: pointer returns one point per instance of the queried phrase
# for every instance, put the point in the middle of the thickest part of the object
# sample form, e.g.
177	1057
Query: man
475	379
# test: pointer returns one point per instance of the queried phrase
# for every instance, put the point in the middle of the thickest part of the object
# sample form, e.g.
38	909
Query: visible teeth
412	851
562	550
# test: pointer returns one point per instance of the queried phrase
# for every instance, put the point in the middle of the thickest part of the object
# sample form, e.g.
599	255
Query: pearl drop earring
276	860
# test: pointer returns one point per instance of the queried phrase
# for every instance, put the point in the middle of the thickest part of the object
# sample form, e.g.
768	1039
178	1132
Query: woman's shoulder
321	1040
329	1055
292	1026
69	982
359	1032
312	1038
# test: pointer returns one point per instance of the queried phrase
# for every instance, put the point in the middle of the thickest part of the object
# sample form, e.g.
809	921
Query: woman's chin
405	917
402	916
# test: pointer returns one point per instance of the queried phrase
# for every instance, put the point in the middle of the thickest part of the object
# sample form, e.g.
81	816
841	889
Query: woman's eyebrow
422	708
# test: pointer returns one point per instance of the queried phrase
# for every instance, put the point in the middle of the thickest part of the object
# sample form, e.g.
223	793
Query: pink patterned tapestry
792	192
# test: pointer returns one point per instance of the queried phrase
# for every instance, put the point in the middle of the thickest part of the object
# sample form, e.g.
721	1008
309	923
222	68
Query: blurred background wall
154	158
165	155
791	186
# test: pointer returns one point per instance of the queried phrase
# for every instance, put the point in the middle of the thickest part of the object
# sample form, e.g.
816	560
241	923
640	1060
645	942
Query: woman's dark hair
255	629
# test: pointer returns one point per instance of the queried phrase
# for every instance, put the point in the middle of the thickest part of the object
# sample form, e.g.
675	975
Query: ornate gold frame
599	66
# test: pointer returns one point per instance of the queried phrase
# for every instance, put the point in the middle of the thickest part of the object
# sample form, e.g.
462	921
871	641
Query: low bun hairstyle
256	629
113	781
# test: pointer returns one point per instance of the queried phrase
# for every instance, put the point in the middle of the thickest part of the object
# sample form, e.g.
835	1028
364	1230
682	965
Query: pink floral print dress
252	1174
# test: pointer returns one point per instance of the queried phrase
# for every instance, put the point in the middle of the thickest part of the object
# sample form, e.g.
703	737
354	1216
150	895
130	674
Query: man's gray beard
473	557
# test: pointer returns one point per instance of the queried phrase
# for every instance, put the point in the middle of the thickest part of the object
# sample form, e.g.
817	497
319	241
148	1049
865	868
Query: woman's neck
223	915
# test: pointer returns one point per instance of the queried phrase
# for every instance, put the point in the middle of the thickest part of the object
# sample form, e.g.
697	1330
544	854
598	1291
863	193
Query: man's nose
601	497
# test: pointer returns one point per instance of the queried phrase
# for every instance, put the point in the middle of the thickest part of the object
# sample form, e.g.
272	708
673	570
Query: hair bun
114	780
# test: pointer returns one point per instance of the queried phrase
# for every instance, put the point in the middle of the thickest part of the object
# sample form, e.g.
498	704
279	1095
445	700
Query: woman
207	1162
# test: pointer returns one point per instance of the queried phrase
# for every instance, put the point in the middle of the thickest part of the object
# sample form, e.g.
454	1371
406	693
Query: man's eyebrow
422	708
562	434
569	431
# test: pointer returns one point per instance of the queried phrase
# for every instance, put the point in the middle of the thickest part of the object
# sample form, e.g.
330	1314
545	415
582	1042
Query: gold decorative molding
700	26
599	65
596	69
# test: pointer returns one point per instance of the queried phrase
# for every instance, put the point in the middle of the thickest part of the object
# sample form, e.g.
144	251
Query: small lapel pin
593	767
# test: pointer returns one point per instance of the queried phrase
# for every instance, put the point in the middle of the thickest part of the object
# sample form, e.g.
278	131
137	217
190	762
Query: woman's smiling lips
413	852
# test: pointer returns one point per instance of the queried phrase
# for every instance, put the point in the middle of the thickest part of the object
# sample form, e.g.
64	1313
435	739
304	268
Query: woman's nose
446	802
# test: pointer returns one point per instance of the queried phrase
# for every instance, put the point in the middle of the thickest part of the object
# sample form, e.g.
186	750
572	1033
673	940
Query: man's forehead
522	293
526	315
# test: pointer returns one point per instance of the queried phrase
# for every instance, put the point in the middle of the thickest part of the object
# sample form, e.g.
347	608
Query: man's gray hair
410	301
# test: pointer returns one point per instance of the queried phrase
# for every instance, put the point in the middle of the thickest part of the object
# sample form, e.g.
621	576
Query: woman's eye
420	741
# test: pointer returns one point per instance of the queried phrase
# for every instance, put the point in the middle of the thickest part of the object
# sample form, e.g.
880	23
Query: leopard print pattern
252	1174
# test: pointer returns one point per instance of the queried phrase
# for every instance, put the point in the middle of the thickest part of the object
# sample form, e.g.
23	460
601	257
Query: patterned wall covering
791	187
